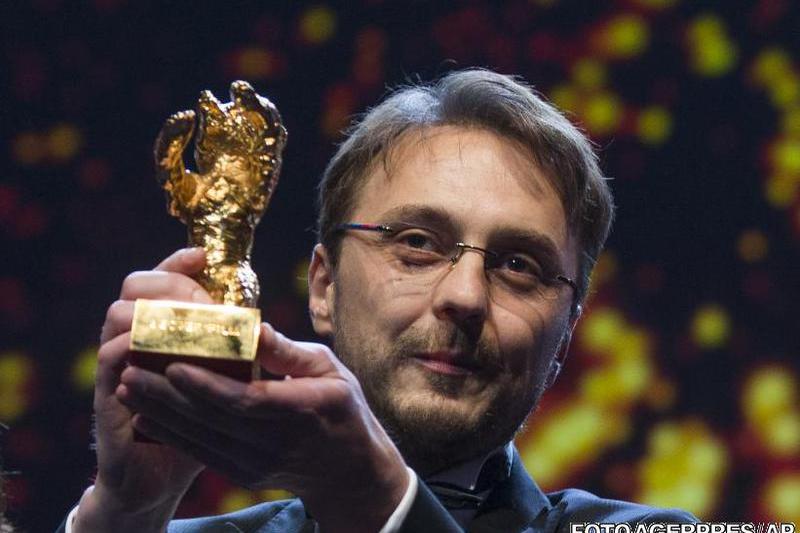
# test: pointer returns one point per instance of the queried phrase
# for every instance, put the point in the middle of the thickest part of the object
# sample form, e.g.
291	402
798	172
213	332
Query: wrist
364	507
100	511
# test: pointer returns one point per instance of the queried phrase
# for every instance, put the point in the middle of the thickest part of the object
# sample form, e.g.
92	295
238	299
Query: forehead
481	180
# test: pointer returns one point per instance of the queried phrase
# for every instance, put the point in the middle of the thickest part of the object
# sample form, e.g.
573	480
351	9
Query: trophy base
222	338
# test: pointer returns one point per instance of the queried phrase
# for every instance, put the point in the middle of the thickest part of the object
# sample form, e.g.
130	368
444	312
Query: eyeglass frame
461	247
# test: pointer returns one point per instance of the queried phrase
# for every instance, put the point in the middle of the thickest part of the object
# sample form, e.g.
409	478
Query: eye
518	270
415	240
519	264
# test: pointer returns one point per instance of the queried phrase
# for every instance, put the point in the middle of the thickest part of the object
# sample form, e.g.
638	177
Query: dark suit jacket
516	506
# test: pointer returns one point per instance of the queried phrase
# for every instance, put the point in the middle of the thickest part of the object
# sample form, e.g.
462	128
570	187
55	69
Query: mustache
473	352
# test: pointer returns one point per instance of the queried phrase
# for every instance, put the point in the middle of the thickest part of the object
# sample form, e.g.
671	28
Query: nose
461	295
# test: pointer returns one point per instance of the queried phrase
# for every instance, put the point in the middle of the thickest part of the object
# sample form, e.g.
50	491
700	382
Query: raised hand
138	485
311	433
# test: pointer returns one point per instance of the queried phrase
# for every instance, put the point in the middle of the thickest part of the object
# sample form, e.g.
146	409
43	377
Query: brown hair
498	103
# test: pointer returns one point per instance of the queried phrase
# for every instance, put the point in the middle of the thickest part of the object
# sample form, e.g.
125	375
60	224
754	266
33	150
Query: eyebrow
502	237
423	215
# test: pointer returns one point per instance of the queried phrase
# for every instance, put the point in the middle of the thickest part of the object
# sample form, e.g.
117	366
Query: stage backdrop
682	385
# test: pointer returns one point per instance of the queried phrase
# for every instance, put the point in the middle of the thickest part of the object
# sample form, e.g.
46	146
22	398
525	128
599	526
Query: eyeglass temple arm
363	227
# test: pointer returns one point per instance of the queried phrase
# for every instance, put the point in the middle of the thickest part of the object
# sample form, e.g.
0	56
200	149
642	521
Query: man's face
452	367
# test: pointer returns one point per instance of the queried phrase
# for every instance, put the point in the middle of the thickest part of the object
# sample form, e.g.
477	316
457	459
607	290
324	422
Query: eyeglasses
422	257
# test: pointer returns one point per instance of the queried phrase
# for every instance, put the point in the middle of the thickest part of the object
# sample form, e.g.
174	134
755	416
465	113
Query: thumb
282	356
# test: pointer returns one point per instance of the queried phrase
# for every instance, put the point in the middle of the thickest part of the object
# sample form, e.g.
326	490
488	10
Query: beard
443	429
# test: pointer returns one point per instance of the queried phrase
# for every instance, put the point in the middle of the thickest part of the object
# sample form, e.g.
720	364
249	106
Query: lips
445	362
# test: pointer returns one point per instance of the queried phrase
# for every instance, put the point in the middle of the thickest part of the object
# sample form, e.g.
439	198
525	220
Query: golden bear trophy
238	150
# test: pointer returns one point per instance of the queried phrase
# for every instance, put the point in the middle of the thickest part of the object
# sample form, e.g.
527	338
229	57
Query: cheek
528	342
373	303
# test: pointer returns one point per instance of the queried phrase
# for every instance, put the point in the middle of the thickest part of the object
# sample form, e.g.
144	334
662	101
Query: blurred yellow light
236	499
571	437
770	65
602	113
684	466
16	371
318	24
626	36
768	391
785	156
631	345
271	495
781	189
711	326
781	497
565	97
28	148
782	435
654	125
83	370
706	27
64	141
785	91
664	439
711	52
714	57
632	378
301	278
589	73
791	121
688	496
255	63
752	246
599	330
706	458
615	386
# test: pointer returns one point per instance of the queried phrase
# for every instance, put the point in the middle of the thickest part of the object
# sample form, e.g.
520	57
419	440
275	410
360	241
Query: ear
321	291
563	348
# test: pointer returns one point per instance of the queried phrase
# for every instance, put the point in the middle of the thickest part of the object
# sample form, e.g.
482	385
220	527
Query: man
459	224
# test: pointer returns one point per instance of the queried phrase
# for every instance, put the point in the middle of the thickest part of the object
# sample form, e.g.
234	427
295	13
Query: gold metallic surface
238	155
167	327
238	150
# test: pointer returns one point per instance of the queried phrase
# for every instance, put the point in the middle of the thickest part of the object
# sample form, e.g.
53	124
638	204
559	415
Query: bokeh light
684	467
688	334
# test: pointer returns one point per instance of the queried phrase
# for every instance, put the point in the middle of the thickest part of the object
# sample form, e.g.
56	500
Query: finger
219	452
150	393
118	320
155	285
170	143
155	397
112	359
266	399
284	357
185	261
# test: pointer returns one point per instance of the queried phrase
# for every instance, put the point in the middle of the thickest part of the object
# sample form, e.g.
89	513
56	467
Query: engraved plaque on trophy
238	149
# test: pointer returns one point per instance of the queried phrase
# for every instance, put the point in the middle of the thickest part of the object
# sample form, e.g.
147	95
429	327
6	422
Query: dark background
682	387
